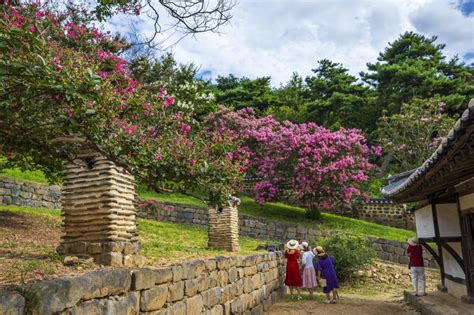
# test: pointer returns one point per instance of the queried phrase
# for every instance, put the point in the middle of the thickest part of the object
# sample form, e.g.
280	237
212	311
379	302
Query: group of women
308	275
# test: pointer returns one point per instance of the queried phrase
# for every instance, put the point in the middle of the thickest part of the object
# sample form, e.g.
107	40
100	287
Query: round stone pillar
99	217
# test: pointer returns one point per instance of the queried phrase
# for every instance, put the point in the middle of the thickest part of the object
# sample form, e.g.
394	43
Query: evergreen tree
414	66
240	93
336	99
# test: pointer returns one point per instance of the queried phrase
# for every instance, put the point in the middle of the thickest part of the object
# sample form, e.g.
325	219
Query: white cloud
276	38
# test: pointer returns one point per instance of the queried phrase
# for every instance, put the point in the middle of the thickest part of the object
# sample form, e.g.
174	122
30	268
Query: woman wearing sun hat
325	270
417	266
293	277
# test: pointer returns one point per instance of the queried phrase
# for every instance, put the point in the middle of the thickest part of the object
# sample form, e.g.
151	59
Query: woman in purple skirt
325	270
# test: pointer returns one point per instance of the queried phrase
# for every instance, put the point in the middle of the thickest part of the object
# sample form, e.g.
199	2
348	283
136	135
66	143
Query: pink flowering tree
63	85
411	136
306	163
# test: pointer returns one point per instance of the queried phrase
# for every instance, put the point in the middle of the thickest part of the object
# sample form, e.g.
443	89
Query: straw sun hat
413	241
292	244
319	251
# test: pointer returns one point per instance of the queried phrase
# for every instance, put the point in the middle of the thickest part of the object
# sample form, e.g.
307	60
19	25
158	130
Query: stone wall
24	193
271	230
224	285
388	213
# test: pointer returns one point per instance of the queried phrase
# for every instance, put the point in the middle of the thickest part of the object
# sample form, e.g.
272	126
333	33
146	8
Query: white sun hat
292	244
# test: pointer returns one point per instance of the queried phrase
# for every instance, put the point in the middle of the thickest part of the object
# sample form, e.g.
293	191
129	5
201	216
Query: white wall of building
451	266
424	222
448	219
466	202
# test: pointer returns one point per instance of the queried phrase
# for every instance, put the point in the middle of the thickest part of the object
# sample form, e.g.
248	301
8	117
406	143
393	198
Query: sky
278	37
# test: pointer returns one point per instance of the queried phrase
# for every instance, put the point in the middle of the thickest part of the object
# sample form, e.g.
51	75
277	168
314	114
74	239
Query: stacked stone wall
29	194
387	213
224	285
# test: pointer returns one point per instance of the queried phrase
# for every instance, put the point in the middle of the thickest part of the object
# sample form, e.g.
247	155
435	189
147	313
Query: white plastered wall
448	219
424	222
466	202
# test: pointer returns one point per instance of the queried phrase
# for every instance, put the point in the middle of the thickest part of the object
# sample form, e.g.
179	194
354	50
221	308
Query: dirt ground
347	305
27	249
376	290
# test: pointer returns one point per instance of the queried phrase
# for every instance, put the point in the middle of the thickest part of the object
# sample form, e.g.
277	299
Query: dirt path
348	305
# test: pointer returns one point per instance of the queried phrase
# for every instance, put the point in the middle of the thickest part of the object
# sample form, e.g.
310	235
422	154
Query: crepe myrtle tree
62	85
307	163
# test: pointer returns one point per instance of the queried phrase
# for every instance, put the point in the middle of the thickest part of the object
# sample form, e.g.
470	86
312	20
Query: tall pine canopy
414	66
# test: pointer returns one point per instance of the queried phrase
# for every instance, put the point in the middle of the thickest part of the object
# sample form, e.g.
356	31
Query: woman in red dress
293	276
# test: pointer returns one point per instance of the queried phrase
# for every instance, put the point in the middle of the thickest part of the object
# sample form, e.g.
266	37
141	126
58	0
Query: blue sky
278	37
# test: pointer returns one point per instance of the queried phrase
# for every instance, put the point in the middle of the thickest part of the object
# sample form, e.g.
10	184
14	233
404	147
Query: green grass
31	211
32	176
161	241
292	214
178	241
273	211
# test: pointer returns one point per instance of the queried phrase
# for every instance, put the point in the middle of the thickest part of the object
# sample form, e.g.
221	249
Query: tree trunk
313	212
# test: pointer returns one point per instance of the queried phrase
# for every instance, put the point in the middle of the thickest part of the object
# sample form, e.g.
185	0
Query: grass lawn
273	211
292	214
29	237
16	173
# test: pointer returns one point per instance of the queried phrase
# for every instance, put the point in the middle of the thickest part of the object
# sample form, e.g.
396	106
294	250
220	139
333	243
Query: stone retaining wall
224	285
388	213
24	193
271	230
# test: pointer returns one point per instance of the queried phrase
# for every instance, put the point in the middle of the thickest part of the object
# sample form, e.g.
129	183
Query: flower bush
63	86
310	164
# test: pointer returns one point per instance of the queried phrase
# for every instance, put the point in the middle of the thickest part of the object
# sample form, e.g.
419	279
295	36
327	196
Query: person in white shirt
309	273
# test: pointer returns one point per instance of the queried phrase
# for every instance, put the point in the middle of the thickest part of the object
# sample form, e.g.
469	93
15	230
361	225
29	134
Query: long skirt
309	278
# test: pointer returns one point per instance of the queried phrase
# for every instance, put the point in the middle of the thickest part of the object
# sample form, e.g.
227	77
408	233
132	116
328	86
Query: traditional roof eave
452	161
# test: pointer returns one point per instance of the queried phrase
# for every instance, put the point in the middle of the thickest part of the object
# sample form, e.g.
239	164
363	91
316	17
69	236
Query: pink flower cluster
310	163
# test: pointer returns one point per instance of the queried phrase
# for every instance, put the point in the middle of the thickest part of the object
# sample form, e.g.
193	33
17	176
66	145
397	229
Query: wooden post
438	243
99	212
223	229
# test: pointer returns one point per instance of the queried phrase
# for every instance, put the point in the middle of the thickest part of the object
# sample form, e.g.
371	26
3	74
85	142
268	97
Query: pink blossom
68	112
185	128
158	155
169	100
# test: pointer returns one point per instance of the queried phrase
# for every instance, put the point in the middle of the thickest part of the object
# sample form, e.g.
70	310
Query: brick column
223	229
99	212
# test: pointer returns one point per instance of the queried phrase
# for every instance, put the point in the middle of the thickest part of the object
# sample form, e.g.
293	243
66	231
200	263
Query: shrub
349	253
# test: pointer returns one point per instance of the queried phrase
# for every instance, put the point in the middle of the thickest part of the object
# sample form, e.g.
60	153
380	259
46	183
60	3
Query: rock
233	275
107	282
11	303
177	273
217	310
248	285
176	291
191	287
237	306
249	271
223	278
178	308
60	294
143	279
119	305
70	260
211	264
154	299
211	297
194	305
163	275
